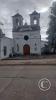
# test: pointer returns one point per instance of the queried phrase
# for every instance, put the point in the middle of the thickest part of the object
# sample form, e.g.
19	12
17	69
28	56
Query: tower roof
17	15
34	13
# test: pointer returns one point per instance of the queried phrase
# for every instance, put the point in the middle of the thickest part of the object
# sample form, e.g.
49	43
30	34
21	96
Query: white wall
0	48
34	37
29	33
9	44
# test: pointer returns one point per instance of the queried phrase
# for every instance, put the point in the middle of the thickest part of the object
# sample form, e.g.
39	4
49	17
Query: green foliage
52	27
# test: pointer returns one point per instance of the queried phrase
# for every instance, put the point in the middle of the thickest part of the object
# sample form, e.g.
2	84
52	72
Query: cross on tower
17	11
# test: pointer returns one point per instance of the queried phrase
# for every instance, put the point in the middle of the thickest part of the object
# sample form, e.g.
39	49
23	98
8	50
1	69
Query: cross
34	8
17	11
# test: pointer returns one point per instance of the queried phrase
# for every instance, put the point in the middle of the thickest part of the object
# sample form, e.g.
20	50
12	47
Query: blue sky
25	7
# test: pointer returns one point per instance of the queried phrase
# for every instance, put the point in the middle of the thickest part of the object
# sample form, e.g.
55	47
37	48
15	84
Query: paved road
21	82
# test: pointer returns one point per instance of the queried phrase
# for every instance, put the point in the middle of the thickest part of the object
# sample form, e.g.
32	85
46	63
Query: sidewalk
29	62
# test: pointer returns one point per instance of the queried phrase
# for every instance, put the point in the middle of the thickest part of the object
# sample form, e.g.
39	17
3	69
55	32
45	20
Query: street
20	82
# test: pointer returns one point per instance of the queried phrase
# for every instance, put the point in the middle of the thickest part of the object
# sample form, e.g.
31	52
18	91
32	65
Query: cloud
9	7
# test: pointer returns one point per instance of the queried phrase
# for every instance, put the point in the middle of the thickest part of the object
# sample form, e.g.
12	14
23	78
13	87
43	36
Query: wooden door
26	50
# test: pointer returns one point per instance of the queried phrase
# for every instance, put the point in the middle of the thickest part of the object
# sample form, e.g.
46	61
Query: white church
26	38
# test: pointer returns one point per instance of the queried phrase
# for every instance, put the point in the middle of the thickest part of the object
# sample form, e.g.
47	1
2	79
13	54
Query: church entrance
26	50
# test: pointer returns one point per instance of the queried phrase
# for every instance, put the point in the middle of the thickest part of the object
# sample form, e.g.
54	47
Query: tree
52	28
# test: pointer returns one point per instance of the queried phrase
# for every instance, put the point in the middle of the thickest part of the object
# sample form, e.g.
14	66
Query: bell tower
17	21
35	19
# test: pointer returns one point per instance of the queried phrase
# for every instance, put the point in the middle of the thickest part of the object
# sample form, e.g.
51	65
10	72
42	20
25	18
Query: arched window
35	22
5	50
17	22
17	48
12	50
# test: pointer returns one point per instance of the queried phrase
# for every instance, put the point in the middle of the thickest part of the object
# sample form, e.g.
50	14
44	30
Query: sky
9	7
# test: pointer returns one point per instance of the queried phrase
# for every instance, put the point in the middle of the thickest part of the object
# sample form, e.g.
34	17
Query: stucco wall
34	38
9	44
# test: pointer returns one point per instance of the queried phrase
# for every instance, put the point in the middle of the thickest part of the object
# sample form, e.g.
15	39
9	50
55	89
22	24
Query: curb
28	64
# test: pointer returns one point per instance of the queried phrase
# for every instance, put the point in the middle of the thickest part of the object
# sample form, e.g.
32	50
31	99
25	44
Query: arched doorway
26	50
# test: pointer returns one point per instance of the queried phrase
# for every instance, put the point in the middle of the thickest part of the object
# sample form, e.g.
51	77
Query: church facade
27	38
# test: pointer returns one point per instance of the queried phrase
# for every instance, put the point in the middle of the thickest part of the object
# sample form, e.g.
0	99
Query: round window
26	37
